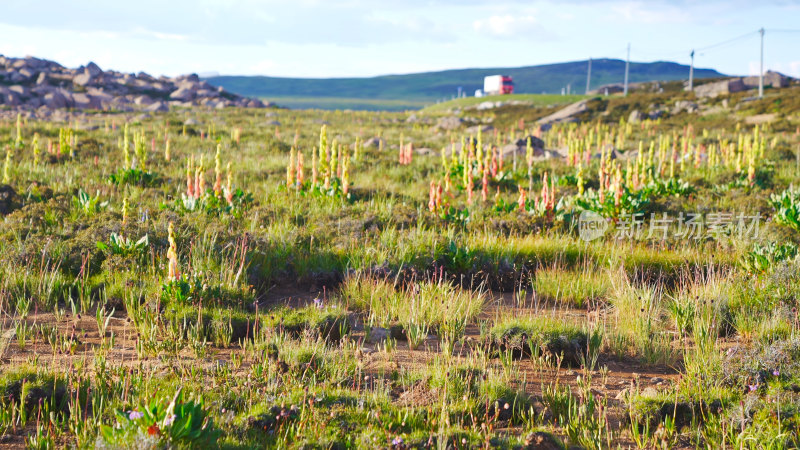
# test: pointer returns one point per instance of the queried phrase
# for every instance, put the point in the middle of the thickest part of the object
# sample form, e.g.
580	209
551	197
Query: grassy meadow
339	279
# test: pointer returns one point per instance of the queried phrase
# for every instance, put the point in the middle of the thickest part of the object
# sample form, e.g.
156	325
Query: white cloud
507	25
649	12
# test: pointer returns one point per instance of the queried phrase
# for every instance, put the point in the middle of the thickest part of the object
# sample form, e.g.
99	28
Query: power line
728	41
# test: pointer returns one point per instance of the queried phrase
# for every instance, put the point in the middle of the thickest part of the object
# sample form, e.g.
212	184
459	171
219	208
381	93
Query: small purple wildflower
318	303
776	372
752	387
133	415
398	441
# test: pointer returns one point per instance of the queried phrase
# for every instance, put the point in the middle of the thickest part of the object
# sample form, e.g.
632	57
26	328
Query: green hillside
409	91
532	99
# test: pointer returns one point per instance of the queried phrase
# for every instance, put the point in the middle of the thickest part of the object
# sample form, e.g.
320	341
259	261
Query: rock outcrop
731	85
42	86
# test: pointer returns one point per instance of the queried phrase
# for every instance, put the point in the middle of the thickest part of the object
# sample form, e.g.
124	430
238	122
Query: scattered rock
566	114
684	105
541	440
378	335
93	70
771	79
9	200
760	118
717	88
83	79
55	100
375	142
184	94
157	107
635	116
481	128
449	123
488	105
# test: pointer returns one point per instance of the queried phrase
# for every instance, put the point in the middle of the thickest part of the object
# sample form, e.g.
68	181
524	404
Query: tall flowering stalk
290	168
199	179
236	135
229	186
479	151
469	186
189	177
300	176
485	183
314	172
401	150
172	256
7	165
18	141
36	150
357	149
435	196
65	142
529	160
140	147
439	194
346	174
323	149
333	166
432	197
125	147
218	171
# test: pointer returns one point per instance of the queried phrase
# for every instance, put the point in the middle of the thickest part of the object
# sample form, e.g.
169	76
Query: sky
357	38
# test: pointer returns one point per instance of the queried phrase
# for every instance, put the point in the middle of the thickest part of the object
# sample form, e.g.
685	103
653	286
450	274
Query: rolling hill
412	91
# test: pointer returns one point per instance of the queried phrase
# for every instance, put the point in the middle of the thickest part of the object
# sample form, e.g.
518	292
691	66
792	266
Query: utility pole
589	76
627	64
761	67
691	73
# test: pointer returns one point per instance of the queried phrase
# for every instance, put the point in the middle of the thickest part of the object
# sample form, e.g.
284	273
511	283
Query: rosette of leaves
763	257
630	203
787	207
133	176
120	245
179	423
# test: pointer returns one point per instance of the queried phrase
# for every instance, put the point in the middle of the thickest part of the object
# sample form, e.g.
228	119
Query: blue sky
315	38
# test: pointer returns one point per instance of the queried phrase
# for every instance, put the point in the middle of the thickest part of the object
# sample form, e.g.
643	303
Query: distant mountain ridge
433	86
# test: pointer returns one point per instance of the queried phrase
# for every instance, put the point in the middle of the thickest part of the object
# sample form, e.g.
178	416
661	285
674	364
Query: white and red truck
497	84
